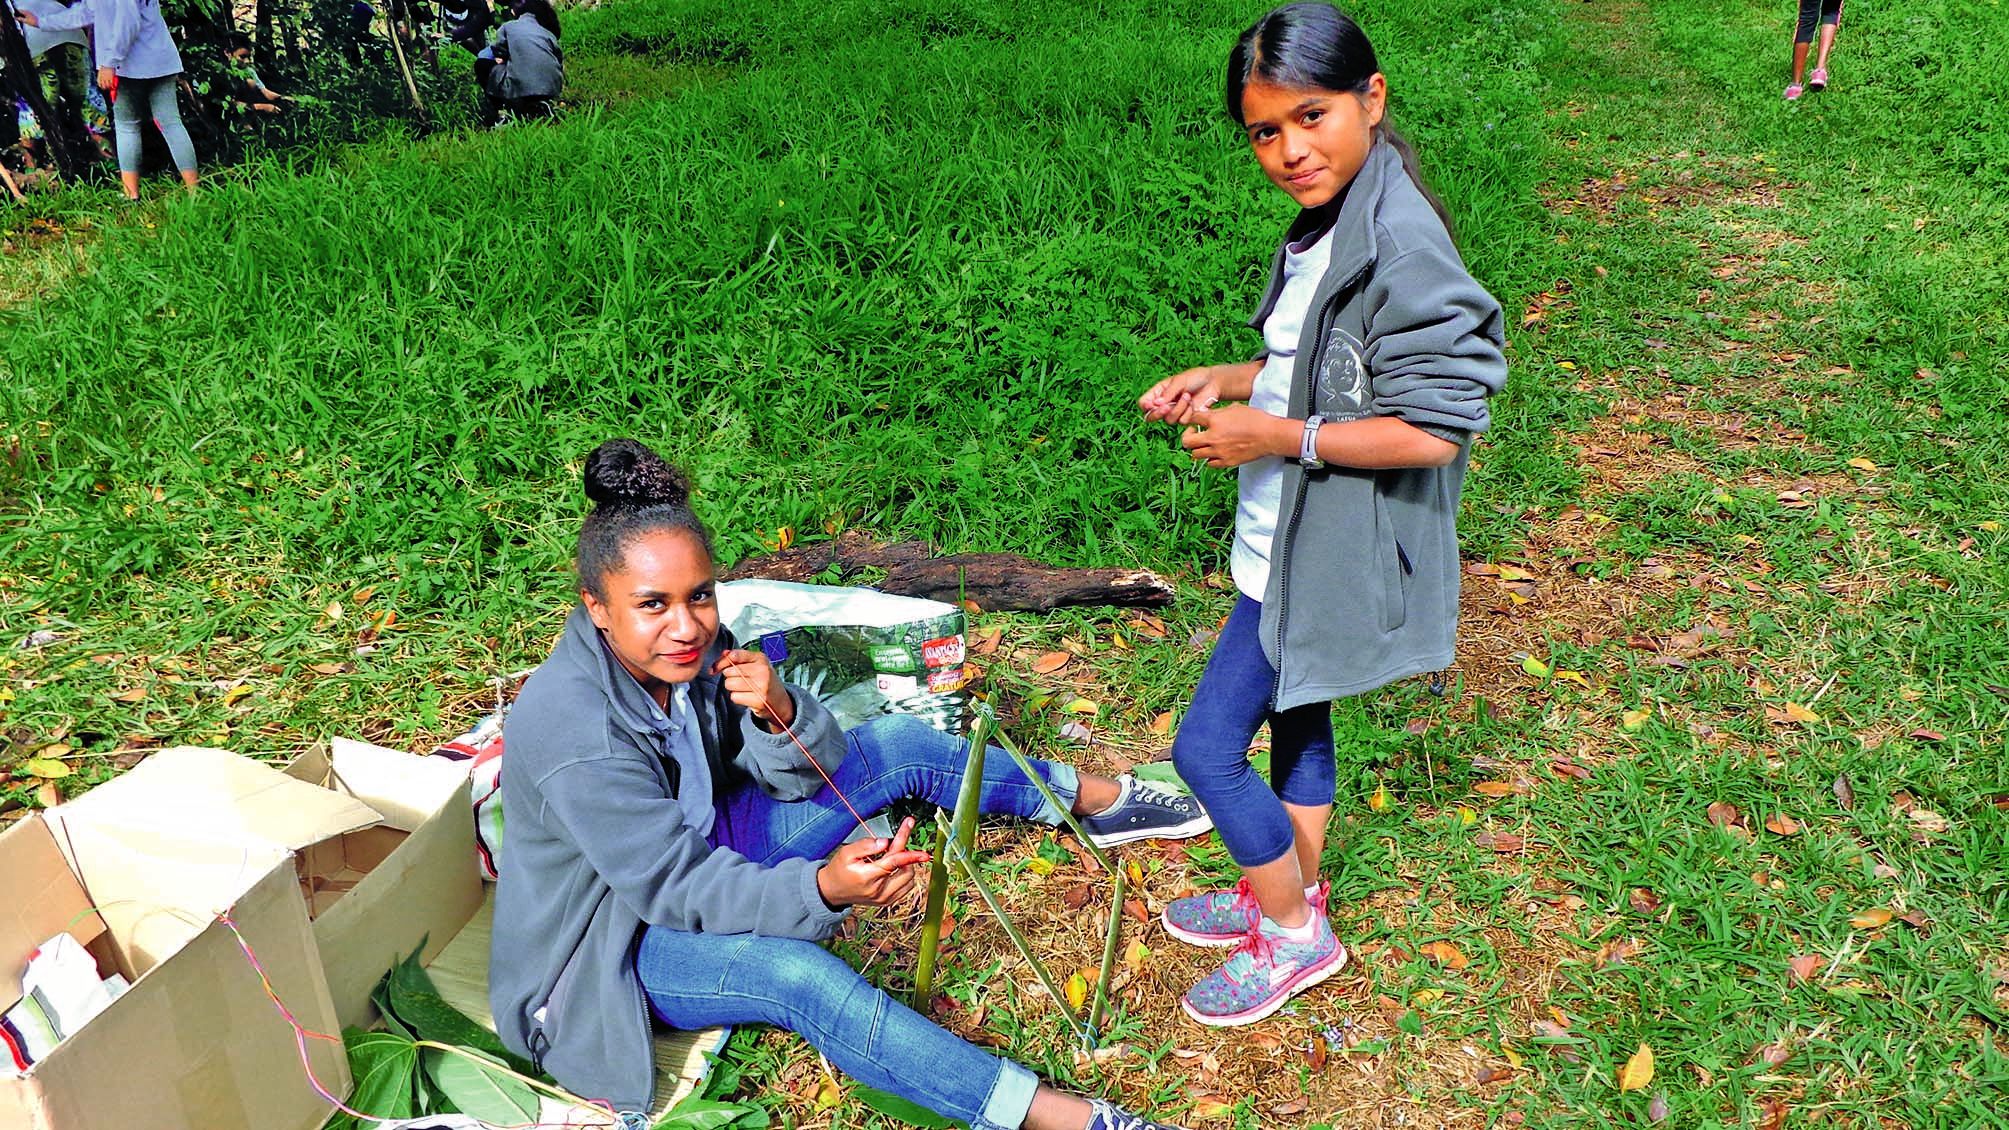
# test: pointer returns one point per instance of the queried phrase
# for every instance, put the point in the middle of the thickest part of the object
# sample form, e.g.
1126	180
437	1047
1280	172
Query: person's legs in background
1803	38
1831	22
127	101
166	107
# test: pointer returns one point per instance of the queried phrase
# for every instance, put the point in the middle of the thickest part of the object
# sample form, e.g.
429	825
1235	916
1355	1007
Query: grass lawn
1720	773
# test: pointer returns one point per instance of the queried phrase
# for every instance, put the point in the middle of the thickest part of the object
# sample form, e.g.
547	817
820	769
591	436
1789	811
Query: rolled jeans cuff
1010	1100
1065	781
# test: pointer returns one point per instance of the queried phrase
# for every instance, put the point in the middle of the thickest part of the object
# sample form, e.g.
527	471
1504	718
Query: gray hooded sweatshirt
1364	586
607	819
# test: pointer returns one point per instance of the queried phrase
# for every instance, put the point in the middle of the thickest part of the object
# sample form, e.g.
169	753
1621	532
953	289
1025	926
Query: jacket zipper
1280	550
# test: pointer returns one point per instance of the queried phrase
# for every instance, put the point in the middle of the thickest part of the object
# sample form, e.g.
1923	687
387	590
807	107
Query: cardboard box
195	1043
382	892
382	843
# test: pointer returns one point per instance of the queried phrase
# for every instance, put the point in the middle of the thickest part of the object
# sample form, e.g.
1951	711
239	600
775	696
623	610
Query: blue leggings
1211	750
697	980
157	94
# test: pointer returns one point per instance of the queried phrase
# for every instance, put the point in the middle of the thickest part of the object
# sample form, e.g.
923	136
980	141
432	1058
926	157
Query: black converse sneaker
1143	811
1109	1117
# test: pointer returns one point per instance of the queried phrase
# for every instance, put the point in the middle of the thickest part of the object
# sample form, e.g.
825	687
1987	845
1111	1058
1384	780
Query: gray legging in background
158	96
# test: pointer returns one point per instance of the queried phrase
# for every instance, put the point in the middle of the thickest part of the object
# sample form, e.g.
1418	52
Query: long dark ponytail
1315	46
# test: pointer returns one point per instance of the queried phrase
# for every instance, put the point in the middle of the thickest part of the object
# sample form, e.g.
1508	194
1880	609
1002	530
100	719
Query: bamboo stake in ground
965	832
959	844
969	865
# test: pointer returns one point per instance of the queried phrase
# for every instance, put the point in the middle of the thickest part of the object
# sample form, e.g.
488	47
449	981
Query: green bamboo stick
1066	813
965	833
1018	941
1110	940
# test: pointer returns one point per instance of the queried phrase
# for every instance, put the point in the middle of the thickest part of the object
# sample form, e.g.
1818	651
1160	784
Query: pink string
301	1034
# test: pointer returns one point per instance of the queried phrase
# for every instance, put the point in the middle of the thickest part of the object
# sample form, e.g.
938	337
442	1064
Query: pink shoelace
1259	948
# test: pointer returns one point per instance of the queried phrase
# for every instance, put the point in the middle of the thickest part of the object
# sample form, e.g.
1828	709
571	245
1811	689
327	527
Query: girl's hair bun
625	472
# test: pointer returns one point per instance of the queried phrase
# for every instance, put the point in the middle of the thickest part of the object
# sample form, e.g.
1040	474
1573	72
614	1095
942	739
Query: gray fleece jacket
607	822
1364	586
535	64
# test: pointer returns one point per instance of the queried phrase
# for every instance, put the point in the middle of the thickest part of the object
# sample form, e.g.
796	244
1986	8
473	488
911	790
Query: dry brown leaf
1077	896
1490	1074
1316	1054
1565	768
1772	1055
1803	967
1872	918
1643	900
1135	955
1638	1071
1780	824
1050	662
1447	955
987	641
1723	814
49	795
136	694
1927	820
1210	1108
1497	788
1135	908
1618	951
1162	724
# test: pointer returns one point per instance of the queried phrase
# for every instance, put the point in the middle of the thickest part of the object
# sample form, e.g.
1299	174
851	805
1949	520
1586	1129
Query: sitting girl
668	837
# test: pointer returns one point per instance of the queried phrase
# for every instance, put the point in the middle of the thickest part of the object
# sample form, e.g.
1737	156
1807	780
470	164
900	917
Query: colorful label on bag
946	681
944	652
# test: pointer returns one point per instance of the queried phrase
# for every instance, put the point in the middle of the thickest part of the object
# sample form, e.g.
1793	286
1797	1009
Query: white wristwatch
1307	455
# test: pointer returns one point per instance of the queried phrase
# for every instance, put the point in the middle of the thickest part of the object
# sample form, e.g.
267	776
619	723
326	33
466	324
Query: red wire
811	758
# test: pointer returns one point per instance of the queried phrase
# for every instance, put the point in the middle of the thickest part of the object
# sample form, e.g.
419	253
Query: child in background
1379	354
246	88
1827	15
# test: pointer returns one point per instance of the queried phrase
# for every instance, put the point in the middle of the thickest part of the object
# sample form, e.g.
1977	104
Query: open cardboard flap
198	792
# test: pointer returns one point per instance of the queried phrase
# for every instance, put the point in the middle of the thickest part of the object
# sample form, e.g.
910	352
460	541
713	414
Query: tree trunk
991	581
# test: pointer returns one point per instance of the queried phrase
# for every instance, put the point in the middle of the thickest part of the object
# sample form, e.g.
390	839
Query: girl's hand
871	872
108	79
28	18
1238	434
1174	398
750	682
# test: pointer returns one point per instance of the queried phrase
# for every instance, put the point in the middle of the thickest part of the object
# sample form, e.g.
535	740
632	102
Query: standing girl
1827	16
1379	352
668	835
138	69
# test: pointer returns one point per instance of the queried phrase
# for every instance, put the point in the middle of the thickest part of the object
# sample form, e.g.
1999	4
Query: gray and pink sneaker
1266	970
1222	918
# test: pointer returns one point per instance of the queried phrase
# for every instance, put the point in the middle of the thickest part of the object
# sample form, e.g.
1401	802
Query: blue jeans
1211	750
697	980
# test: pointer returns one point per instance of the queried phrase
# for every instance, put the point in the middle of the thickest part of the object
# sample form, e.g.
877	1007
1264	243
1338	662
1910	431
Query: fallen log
994	582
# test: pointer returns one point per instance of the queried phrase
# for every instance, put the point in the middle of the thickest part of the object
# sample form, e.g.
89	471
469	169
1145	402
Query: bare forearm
1238	380
1376	443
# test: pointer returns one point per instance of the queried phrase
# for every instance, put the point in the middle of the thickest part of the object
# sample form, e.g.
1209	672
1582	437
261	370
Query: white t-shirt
1262	481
